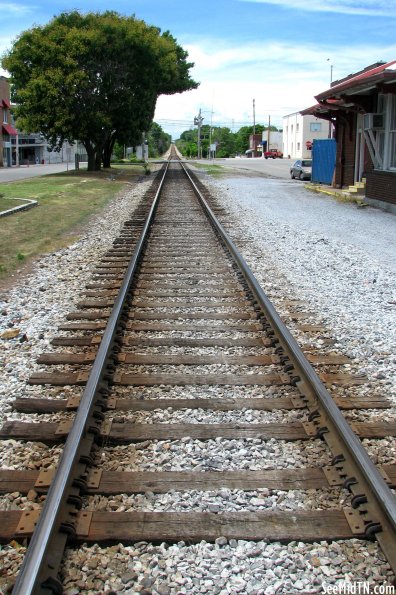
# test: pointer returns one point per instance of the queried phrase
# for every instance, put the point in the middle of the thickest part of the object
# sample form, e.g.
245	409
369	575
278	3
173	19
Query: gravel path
337	259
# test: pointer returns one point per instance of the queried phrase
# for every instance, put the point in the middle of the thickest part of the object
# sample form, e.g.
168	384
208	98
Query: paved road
11	174
277	168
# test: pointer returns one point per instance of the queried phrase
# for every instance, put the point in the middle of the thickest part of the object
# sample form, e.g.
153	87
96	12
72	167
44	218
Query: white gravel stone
337	259
39	303
338	262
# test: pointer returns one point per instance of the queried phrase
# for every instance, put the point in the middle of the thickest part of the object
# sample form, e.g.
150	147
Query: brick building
8	132
255	146
20	148
362	108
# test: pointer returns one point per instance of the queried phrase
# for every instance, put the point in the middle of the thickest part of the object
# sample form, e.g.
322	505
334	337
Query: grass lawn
210	168
65	202
6	204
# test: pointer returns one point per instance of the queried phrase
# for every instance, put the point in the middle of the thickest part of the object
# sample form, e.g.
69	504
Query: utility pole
269	133
198	122
254	116
331	81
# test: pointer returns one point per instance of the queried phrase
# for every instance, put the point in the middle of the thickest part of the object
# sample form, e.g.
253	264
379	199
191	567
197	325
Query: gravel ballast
337	260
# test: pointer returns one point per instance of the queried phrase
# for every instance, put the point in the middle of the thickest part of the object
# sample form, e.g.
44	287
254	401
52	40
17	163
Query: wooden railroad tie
121	433
128	527
135	482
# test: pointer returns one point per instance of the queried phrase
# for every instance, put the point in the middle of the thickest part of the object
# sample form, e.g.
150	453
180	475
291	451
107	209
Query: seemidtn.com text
358	588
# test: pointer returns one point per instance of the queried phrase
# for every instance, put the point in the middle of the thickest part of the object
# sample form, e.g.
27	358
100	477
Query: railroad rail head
373	512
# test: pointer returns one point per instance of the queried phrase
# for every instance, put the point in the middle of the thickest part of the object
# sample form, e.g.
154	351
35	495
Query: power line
220	123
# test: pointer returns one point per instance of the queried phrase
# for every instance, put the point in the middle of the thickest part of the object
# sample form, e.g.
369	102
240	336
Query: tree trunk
91	153
91	160
106	158
98	160
108	151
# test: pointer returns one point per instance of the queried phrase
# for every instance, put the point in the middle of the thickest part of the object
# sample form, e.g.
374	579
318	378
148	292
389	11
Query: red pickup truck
273	154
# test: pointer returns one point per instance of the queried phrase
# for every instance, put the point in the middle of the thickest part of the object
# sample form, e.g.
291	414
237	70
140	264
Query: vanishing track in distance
174	321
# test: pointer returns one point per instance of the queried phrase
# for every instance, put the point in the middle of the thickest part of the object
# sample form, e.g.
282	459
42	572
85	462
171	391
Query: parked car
301	169
273	154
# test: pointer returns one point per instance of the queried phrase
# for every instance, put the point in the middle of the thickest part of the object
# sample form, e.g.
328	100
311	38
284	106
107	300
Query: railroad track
173	323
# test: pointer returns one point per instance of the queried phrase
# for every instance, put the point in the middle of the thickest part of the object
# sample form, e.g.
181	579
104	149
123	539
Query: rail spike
373	510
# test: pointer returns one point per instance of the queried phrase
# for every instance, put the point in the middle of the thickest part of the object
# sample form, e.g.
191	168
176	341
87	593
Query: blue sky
278	52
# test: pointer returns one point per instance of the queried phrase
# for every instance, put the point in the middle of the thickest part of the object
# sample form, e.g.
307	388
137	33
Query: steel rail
36	575
368	480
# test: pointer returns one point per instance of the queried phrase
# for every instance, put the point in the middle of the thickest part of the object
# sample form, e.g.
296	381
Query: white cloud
231	77
5	45
12	8
354	7
255	62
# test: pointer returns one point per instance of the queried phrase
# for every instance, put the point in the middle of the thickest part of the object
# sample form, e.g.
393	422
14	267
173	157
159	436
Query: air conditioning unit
373	121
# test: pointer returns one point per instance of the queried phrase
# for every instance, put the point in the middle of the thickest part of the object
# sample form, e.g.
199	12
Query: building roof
362	81
342	94
8	129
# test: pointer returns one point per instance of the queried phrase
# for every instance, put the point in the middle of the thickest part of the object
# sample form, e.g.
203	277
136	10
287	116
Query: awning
6	103
8	129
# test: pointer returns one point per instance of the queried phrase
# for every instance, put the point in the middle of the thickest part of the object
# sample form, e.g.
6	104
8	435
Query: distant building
255	146
299	132
142	152
362	107
272	139
8	132
18	148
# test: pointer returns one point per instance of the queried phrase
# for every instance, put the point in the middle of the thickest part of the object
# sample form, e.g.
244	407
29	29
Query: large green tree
242	137
187	143
158	140
224	140
95	78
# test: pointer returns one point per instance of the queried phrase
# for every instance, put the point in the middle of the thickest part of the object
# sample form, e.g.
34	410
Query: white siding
297	130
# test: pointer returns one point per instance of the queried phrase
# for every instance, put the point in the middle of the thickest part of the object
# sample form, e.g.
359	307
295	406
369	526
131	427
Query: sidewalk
11	174
341	193
360	200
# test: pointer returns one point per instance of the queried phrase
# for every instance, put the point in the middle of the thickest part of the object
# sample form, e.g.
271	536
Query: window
5	115
297	127
298	146
315	126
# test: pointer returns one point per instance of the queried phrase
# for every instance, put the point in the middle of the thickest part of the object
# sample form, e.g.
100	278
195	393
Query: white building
274	139
299	132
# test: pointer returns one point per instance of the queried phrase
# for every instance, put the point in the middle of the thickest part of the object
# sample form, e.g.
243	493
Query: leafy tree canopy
94	77
227	143
158	143
158	140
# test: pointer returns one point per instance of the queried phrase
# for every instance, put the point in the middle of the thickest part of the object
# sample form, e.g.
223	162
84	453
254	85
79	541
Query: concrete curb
29	205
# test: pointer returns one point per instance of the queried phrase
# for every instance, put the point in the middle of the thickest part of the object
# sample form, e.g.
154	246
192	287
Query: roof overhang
353	93
8	129
363	83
